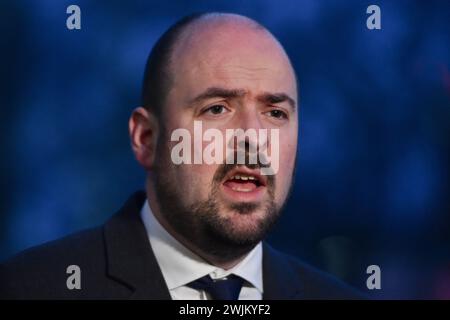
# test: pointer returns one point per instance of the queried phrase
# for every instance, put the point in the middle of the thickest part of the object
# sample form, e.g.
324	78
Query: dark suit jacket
117	262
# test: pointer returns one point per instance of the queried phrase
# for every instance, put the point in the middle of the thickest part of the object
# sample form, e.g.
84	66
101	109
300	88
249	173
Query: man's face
207	200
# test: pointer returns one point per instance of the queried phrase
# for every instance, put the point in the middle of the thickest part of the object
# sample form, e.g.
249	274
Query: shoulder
74	246
312	282
42	270
96	256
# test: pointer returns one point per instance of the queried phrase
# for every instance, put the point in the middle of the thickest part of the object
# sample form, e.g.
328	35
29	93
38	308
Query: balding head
200	37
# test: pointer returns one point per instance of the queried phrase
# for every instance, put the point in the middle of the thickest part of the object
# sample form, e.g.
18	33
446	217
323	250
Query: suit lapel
130	258
279	279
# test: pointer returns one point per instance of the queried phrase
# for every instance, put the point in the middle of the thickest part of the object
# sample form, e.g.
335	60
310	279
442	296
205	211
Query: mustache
225	168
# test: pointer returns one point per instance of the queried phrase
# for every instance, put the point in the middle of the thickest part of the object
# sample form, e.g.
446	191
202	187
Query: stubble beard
211	226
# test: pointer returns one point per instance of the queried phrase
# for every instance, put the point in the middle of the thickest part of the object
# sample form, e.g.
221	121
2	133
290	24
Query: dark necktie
221	289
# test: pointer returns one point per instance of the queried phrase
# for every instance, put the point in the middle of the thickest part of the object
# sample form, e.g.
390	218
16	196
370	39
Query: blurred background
373	179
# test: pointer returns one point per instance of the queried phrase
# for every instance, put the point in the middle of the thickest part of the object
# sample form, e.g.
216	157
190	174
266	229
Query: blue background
373	179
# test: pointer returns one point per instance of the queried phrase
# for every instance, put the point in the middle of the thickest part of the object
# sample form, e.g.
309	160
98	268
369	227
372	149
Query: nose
255	136
248	118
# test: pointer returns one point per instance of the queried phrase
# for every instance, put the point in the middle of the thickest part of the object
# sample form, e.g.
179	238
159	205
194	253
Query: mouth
244	184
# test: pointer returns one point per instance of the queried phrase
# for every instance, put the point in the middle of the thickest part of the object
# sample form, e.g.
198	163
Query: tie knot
220	289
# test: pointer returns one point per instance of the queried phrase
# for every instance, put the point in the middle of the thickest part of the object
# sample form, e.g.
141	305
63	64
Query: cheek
194	180
286	169
201	174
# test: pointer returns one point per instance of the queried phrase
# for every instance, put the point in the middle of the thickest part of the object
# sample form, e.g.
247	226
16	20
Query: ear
143	129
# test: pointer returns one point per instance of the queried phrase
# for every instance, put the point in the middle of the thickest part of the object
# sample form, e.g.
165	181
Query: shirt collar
180	266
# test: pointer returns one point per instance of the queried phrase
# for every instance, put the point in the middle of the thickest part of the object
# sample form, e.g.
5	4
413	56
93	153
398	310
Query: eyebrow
266	97
274	98
216	92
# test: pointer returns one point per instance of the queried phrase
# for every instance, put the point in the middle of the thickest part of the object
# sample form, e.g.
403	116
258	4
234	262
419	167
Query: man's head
227	72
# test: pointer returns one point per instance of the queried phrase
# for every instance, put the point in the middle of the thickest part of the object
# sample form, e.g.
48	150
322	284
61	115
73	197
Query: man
197	232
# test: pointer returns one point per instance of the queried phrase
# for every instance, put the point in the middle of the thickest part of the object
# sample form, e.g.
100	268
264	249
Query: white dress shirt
180	266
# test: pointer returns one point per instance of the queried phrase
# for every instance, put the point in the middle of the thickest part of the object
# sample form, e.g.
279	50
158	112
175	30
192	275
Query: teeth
242	177
241	189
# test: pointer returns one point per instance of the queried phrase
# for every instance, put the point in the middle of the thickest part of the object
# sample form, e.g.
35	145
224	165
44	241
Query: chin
245	222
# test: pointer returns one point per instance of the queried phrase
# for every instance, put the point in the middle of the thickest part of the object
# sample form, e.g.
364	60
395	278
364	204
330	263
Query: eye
215	109
278	114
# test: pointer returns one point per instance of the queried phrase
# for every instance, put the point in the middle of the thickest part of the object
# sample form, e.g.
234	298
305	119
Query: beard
202	225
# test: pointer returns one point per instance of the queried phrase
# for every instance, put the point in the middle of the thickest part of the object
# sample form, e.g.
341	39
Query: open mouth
243	179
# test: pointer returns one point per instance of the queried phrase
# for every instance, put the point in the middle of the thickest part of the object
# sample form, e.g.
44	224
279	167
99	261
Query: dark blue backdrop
373	176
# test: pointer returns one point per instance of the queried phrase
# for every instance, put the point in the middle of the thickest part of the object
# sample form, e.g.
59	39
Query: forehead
232	56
